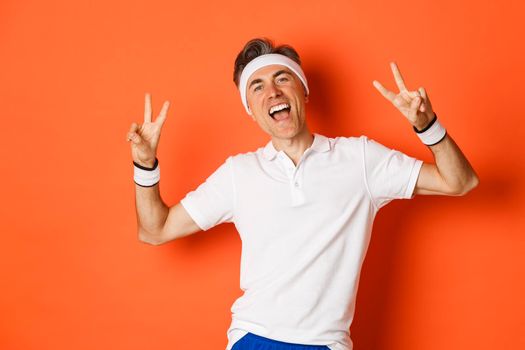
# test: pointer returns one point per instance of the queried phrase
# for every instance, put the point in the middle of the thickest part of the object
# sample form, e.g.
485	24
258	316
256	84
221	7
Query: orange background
441	272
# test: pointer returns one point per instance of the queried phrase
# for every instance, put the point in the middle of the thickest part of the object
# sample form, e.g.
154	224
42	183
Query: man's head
272	86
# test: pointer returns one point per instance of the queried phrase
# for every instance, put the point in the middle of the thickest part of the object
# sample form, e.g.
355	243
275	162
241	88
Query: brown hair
257	47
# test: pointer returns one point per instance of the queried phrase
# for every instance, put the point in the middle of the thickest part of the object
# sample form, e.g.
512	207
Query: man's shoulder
362	141
347	142
347	139
246	157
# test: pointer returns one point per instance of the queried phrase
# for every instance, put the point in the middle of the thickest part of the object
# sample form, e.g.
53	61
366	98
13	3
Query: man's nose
273	90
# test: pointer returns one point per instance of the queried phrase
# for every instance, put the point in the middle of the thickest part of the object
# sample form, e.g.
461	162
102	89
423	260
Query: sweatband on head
263	61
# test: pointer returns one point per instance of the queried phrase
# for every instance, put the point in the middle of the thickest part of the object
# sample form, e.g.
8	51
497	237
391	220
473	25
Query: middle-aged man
303	205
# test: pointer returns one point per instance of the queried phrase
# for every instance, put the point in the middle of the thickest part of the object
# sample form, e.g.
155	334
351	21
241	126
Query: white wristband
146	177
433	133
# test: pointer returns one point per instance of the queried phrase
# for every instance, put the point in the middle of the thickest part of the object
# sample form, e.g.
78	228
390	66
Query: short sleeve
211	203
389	174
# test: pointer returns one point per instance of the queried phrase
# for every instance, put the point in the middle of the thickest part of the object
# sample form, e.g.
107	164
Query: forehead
268	72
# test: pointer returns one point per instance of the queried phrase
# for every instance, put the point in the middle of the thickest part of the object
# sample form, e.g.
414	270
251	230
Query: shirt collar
320	144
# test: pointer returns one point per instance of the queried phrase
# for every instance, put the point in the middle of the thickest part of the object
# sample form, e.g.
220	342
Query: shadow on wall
389	237
322	115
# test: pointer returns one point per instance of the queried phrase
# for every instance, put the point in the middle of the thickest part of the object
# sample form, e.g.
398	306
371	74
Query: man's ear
251	115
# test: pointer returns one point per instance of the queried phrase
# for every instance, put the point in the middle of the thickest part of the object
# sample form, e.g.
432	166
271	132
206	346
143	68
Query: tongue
281	115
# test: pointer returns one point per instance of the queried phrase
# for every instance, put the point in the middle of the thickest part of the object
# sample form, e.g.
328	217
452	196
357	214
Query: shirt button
297	184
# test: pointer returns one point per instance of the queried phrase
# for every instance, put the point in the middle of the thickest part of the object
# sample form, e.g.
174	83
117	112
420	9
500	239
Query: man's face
270	89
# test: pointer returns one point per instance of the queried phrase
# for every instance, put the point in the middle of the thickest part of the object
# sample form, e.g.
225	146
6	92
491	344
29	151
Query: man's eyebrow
255	82
279	72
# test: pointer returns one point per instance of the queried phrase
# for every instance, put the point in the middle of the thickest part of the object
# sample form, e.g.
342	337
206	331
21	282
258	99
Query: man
303	205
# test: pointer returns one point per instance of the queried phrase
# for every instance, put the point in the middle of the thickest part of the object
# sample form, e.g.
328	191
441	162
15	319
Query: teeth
279	107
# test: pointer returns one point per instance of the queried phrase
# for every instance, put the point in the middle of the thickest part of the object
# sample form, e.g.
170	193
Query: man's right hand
145	138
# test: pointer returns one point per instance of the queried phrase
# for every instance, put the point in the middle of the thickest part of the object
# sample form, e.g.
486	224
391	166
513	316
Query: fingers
134	127
428	104
414	106
397	76
415	95
163	113
389	95
423	92
132	134
147	108
416	102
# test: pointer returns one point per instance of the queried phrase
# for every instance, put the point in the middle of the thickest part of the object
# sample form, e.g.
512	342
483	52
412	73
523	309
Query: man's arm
451	174
158	224
152	213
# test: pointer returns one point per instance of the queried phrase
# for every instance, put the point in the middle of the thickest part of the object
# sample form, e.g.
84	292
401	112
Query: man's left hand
415	105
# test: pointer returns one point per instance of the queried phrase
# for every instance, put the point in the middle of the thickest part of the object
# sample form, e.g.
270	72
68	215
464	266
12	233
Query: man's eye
258	87
283	79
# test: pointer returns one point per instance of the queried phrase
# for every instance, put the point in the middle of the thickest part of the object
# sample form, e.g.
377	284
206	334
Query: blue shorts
256	342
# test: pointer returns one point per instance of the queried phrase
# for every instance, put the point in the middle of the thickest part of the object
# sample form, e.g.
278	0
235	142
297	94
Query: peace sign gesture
414	105
145	138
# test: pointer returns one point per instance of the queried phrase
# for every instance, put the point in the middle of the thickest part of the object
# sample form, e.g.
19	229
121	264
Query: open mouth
280	111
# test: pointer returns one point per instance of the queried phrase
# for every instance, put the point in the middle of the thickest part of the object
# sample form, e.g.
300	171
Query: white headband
263	61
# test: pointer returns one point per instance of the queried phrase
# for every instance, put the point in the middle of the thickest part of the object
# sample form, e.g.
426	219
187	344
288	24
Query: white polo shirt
304	229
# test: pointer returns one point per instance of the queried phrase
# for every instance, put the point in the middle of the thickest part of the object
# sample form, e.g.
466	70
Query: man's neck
294	147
